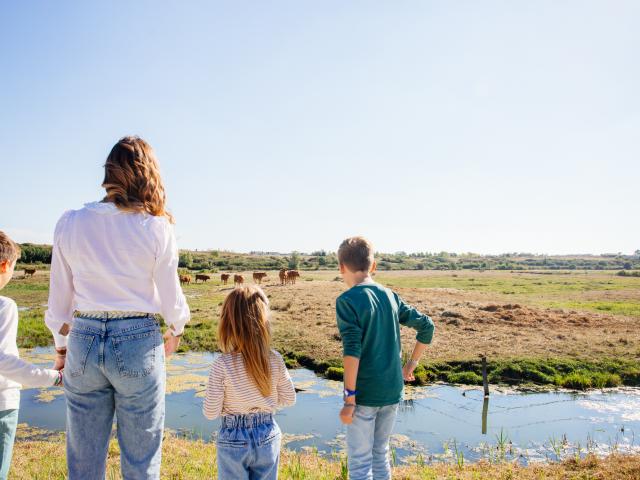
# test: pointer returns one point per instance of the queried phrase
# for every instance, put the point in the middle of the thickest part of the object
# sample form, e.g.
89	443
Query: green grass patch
32	331
515	284
616	307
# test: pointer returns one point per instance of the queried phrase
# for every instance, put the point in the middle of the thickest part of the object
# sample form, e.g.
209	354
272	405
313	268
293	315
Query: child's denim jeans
368	442
114	366
8	424
248	447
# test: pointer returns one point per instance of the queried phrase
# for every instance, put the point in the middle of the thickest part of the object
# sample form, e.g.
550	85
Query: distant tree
185	260
627	266
637	253
294	260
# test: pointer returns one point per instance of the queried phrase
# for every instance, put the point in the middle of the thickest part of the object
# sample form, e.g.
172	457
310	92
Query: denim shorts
248	447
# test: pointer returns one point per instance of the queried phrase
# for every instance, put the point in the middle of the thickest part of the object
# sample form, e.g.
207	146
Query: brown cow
185	279
258	276
283	276
238	280
224	277
292	275
203	277
29	272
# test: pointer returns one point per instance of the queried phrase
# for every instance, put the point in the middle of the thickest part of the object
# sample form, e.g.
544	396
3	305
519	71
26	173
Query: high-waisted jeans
248	447
114	366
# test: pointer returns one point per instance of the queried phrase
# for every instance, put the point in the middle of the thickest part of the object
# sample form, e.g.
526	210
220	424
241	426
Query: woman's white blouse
105	259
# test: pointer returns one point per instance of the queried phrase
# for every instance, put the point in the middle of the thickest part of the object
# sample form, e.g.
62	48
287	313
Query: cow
292	275
224	277
238	280
29	272
203	277
185	279
258	276
283	276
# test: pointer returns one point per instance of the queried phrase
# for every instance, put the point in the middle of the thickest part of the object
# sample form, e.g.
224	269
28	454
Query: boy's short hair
356	253
9	250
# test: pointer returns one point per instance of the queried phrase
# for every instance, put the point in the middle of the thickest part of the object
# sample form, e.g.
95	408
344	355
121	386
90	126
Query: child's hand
407	371
58	364
346	414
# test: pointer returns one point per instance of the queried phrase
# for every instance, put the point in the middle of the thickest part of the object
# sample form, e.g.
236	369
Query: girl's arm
285	389
13	367
214	397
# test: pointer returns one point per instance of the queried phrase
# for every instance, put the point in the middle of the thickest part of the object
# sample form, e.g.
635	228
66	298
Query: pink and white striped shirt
231	391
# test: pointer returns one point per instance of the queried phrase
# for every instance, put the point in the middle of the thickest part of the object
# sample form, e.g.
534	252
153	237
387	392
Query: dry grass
184	459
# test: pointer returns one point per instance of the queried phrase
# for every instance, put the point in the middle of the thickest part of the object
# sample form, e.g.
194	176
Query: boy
13	370
369	318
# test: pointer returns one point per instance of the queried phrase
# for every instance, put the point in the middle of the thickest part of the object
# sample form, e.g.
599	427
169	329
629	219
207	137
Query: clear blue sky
478	126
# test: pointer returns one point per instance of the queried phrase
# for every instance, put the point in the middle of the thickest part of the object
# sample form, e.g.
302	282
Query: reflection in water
485	411
431	421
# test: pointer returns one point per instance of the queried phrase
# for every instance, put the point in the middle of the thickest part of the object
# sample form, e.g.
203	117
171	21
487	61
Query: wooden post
485	379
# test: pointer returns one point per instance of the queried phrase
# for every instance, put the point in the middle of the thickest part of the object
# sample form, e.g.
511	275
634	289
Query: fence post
485	379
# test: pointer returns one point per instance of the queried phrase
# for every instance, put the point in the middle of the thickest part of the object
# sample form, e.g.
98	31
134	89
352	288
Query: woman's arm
173	305
59	314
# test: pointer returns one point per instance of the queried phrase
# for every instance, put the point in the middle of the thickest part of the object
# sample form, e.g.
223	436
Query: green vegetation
574	374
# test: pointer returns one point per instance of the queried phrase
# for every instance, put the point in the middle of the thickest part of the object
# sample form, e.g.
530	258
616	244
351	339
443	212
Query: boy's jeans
368	442
248	447
8	424
114	366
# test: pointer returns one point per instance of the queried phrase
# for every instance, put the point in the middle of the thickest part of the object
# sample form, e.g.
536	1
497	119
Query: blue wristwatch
349	393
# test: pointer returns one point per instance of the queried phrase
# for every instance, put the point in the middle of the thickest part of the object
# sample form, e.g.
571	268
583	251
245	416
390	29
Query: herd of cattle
287	277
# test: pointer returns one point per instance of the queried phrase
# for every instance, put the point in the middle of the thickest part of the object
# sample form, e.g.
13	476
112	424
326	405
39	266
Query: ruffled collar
102	207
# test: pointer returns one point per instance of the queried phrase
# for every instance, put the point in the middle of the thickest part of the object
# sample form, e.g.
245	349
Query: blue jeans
368	442
248	447
114	366
8	424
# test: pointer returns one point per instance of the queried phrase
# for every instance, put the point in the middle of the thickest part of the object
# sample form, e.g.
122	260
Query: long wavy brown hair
244	328
132	178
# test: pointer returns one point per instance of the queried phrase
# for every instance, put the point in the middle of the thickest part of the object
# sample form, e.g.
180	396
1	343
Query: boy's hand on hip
346	414
171	343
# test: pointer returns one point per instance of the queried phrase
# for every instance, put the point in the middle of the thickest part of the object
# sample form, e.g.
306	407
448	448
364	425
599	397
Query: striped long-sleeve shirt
231	391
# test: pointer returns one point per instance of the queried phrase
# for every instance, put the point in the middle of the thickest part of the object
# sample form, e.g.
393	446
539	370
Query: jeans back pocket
135	353
78	348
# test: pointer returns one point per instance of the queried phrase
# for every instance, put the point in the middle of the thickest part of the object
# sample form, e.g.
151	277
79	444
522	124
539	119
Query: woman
114	268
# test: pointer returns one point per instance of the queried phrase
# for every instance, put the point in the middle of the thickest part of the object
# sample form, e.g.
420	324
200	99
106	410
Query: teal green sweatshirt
369	318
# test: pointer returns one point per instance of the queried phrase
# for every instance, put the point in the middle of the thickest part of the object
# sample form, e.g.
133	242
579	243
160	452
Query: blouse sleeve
214	396
61	293
173	305
286	390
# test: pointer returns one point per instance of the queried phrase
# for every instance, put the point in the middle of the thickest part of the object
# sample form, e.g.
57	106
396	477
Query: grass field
38	456
571	329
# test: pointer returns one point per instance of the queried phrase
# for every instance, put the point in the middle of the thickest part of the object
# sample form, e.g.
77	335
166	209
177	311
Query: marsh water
434	422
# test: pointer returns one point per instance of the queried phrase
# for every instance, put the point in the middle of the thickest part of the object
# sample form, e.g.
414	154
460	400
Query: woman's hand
171	343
